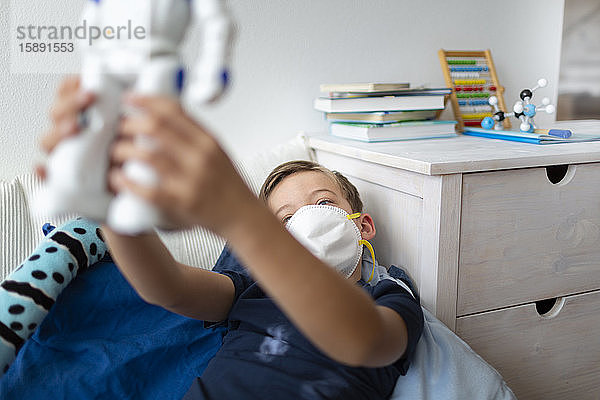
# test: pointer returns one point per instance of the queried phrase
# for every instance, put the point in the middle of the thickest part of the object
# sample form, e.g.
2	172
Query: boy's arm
201	186
339	317
153	272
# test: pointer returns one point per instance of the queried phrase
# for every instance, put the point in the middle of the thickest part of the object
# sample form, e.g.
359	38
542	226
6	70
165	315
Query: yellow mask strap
353	216
370	247
366	243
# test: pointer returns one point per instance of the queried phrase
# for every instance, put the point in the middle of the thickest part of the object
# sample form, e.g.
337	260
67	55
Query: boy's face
310	188
314	187
305	188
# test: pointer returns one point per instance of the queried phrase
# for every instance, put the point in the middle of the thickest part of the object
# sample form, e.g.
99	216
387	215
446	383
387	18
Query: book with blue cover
535	138
393	132
383	103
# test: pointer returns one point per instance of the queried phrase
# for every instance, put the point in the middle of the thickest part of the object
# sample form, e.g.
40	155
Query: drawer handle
549	308
556	173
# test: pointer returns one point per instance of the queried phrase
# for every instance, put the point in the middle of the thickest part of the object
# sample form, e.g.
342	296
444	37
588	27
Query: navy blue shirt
264	356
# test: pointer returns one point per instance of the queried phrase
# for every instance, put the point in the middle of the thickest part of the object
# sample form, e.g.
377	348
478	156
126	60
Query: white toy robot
77	169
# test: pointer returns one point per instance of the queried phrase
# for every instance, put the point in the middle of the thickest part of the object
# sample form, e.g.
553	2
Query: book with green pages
409	91
363	87
382	117
392	132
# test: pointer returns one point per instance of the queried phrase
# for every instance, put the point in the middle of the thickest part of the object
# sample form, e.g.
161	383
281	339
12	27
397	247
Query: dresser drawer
524	238
555	356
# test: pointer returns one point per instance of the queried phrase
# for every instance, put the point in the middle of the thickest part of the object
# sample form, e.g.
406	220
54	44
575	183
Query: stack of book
375	112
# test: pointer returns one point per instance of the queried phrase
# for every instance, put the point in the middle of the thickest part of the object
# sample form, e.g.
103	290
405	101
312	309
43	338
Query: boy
297	327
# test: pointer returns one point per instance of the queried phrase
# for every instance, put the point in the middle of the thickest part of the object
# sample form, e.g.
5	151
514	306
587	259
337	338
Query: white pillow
201	248
16	236
445	367
21	230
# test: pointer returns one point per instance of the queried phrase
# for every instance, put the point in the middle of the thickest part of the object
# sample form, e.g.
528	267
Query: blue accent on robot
225	78
179	79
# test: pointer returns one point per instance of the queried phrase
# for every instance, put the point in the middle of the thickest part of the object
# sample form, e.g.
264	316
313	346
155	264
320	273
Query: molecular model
524	110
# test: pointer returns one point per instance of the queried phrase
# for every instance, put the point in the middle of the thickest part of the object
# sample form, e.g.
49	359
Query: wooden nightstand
503	241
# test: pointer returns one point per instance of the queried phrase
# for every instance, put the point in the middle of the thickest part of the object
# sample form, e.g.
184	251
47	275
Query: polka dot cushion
29	292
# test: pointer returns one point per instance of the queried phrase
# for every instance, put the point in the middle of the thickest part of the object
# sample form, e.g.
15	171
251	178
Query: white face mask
329	233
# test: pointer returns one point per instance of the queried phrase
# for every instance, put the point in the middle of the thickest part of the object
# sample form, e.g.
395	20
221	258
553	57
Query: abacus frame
445	54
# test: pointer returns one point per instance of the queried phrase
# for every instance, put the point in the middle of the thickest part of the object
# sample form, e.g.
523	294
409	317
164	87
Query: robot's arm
91	58
209	76
91	16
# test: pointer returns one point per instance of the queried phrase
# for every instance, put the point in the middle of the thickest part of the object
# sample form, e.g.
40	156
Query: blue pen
561	133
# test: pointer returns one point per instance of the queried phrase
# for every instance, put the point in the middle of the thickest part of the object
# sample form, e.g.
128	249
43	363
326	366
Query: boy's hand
70	101
198	184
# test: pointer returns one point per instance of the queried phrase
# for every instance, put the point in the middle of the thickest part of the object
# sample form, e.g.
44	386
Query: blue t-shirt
264	356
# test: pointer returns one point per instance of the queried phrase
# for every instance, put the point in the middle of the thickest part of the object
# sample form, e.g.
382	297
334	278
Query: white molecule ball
518	107
524	126
542	82
545	101
550	109
493	100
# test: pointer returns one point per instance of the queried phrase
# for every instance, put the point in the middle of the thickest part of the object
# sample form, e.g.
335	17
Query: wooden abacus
472	77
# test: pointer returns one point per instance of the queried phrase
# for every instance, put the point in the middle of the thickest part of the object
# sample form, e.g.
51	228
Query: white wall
285	49
580	58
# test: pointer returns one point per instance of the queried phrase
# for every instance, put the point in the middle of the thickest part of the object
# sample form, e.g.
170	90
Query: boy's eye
286	219
324	202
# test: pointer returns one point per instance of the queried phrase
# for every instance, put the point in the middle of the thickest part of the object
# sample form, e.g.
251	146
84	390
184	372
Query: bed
100	340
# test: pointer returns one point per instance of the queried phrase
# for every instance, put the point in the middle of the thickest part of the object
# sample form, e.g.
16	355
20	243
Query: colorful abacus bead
462	62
